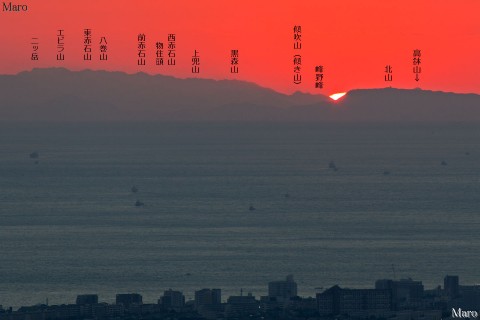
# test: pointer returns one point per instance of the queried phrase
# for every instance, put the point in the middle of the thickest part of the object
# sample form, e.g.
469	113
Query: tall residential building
172	299
354	302
405	294
241	306
283	290
208	303
451	286
208	297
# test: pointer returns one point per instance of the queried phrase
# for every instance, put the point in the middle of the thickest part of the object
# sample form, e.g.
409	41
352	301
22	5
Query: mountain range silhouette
57	94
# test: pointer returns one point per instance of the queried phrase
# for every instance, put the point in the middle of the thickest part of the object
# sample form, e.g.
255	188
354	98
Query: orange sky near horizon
354	40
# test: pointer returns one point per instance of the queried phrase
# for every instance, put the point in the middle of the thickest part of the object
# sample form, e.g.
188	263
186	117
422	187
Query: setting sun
337	96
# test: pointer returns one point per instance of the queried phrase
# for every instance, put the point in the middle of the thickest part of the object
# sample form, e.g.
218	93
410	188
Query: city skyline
389	298
283	290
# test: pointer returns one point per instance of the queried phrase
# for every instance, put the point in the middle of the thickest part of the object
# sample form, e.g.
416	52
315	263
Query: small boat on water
251	208
134	189
34	155
444	163
138	203
332	165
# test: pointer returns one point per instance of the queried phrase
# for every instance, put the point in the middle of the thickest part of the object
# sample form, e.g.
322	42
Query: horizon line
326	95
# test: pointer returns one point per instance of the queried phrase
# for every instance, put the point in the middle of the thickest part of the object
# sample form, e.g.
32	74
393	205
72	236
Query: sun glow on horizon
337	96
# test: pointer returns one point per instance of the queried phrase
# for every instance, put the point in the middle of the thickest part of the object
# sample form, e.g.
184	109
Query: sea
233	206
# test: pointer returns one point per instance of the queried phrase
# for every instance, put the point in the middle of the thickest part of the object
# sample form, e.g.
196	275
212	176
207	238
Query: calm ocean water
68	225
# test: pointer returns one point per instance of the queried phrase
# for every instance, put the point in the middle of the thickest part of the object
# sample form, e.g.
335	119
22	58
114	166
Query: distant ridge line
58	94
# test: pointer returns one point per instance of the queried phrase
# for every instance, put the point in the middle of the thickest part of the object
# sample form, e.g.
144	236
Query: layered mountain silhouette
57	94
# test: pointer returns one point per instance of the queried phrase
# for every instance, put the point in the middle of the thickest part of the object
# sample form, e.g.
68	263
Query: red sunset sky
352	39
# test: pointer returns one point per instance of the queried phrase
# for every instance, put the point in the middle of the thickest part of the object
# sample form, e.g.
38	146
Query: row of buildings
389	299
